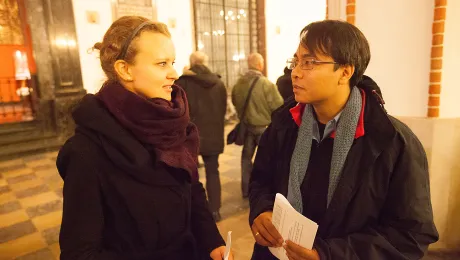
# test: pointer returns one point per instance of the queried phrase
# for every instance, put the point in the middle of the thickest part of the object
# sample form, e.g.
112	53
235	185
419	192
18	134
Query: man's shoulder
284	79
182	79
265	80
240	83
185	77
406	135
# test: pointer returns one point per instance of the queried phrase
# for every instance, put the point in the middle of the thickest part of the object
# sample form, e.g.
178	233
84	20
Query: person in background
207	100
264	99
284	84
341	160
131	189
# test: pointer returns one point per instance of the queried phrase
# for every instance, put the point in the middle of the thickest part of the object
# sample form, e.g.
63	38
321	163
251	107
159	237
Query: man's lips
297	87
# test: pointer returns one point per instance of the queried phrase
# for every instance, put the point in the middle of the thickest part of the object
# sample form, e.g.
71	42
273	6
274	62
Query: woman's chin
165	96
168	97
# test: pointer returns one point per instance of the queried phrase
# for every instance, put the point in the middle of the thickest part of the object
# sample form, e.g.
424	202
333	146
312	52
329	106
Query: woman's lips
168	88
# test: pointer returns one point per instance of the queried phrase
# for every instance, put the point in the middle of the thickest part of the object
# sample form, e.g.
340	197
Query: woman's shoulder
84	140
79	151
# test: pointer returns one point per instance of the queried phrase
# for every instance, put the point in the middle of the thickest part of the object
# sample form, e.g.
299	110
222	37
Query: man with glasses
341	160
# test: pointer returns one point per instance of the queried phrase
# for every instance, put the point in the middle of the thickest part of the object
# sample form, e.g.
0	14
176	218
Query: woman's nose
173	74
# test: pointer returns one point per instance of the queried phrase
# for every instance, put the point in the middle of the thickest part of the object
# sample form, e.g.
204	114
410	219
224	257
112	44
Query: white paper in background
228	245
292	226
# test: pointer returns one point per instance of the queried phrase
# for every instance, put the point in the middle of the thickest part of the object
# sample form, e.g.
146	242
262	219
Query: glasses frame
309	65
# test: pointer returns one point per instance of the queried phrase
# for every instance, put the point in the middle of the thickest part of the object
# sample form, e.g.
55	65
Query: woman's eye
162	64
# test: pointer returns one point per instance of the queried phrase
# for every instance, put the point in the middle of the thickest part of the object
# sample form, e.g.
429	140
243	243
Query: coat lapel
359	162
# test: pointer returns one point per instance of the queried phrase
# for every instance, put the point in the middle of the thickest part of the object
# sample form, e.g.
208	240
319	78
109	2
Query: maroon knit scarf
159	123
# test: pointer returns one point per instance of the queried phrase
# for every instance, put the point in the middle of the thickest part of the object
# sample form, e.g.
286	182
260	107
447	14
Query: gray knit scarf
343	141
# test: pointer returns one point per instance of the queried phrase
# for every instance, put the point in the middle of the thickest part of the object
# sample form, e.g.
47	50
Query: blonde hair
117	36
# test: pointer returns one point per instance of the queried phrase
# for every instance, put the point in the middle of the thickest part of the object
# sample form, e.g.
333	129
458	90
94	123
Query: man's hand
264	232
296	252
218	254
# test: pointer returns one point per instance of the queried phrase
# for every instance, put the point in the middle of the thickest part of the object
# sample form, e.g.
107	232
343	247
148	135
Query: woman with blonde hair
131	188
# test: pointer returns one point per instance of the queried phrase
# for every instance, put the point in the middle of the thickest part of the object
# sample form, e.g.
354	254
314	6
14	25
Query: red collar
297	112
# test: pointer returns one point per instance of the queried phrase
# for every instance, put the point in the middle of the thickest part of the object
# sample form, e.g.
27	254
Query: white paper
292	226
228	245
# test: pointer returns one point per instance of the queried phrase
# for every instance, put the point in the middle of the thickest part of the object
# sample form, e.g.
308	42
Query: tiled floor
31	208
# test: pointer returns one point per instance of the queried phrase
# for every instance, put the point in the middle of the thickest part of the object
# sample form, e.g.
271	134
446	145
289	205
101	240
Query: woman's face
153	73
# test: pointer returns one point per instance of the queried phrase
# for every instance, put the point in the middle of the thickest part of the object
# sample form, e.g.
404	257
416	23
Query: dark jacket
381	208
207	99
284	84
120	204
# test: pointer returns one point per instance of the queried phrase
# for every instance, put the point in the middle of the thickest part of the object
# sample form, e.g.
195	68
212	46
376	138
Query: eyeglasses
305	64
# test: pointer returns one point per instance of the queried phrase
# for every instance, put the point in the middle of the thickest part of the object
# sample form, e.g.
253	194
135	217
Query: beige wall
284	21
400	44
87	35
171	12
450	91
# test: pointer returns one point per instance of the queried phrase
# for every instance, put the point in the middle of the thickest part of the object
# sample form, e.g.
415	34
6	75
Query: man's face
317	84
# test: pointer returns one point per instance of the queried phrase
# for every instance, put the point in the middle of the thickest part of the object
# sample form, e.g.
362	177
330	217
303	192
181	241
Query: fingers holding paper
219	253
262	236
265	232
296	252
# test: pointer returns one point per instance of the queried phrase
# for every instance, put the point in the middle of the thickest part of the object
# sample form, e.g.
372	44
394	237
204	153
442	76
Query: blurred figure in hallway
284	84
263	100
207	97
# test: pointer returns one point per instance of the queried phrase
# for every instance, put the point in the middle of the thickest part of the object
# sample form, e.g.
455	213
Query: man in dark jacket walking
207	99
341	160
284	84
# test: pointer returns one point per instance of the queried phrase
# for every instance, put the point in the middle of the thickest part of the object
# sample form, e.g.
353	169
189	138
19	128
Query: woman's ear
123	70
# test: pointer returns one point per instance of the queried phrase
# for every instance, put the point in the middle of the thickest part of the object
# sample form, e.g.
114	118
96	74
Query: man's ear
123	70
261	65
347	73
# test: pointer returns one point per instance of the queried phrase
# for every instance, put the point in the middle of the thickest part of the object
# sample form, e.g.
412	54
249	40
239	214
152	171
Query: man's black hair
342	41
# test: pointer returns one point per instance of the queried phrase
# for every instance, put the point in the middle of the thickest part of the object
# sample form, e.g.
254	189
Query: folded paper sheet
292	226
